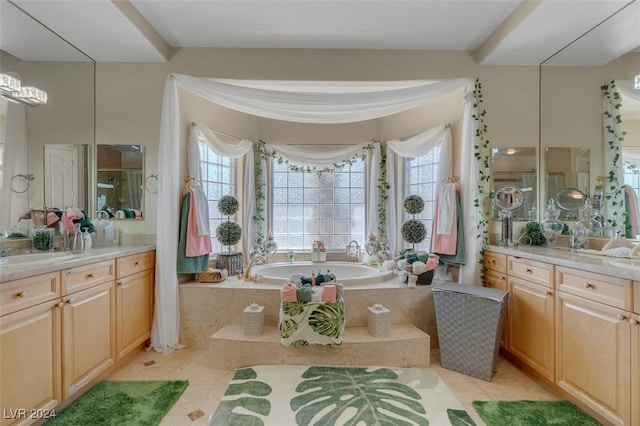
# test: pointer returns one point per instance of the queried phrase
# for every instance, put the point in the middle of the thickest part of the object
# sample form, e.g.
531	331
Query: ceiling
497	32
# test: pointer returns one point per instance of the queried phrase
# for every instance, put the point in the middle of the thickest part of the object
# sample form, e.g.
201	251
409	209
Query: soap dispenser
77	243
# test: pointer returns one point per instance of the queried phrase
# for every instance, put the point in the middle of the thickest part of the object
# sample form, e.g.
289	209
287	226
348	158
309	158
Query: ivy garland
481	154
383	191
614	140
264	153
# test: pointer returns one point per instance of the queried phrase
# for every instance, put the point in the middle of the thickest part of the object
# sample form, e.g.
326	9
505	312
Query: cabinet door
531	325
88	323
593	349
134	310
30	362
635	368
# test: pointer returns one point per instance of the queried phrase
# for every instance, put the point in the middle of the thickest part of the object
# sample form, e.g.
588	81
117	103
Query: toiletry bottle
77	244
86	237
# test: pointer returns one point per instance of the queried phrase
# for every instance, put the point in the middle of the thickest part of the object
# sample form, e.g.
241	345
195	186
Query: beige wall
129	98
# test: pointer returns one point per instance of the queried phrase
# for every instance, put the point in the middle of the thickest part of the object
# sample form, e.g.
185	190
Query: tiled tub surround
206	307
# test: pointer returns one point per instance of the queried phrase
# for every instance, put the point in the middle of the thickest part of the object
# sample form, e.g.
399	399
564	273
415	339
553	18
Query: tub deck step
408	346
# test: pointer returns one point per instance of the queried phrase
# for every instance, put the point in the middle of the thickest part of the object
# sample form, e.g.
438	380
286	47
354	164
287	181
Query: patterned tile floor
206	385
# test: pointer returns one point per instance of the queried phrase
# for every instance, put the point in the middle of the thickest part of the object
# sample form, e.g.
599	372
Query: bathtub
347	273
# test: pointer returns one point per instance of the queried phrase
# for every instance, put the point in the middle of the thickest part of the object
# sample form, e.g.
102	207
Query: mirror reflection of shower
120	181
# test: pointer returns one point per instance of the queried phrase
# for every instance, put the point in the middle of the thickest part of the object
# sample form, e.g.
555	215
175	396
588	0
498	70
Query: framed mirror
516	167
508	198
119	181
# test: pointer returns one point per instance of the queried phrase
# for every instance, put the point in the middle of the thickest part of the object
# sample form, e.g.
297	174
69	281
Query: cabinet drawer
495	261
531	270
83	277
495	279
128	265
612	291
27	292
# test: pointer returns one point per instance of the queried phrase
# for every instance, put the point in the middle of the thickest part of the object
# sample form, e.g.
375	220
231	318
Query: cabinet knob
68	302
549	293
529	271
492	261
502	278
90	275
137	263
119	283
621	317
60	305
634	321
589	285
20	294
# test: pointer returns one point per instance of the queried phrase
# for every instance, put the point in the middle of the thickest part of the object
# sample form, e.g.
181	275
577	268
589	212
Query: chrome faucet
247	273
4	252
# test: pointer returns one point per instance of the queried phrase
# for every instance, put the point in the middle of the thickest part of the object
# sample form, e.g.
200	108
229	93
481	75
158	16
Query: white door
61	176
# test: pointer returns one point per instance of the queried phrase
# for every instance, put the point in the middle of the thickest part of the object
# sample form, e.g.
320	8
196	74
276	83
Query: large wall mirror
119	182
516	167
51	144
571	109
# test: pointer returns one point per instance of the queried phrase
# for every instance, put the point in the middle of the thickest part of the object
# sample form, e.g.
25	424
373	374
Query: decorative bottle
578	236
551	226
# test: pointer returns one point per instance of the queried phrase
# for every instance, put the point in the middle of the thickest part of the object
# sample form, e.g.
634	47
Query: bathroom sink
35	258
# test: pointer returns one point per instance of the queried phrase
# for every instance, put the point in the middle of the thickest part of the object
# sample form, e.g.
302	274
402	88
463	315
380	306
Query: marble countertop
613	266
40	265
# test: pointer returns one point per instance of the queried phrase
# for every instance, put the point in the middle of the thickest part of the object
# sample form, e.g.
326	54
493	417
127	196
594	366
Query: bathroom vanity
66	322
573	321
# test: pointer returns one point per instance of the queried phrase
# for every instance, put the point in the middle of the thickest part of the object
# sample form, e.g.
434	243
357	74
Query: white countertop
617	267
10	271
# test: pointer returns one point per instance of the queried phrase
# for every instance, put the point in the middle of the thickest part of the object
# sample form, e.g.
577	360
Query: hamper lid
489	293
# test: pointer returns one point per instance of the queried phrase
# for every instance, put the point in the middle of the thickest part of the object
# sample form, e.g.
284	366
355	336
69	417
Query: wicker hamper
469	320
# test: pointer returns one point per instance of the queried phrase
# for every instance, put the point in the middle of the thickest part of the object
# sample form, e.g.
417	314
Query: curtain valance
317	103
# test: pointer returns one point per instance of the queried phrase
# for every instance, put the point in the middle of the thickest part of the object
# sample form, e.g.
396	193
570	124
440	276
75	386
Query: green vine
258	217
481	154
383	190
614	139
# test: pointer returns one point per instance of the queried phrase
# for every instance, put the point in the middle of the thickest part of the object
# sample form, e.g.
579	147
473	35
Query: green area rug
532	413
283	395
135	402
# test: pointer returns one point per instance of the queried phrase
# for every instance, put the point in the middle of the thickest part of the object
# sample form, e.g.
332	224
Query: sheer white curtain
306	102
397	152
470	182
233	148
629	95
613	170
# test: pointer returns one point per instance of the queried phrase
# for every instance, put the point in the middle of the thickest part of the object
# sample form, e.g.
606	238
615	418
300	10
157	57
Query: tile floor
206	385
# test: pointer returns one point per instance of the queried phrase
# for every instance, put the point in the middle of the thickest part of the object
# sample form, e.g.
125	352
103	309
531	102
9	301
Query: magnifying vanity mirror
119	181
507	199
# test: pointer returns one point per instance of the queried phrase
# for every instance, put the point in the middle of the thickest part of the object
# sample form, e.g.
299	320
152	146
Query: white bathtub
347	273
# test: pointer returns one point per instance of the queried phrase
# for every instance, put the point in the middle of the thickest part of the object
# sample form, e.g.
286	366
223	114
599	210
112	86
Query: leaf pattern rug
300	395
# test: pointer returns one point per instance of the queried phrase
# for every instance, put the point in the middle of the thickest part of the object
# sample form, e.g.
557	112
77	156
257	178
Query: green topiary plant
228	233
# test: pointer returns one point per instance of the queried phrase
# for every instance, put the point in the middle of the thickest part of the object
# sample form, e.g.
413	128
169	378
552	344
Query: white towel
199	200
446	206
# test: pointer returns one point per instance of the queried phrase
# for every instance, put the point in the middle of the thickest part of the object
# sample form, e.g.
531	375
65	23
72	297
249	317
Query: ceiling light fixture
636	82
12	90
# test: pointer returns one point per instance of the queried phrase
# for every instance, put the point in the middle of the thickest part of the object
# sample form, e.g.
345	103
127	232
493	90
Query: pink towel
68	216
445	243
432	262
197	245
632	208
52	218
329	293
288	293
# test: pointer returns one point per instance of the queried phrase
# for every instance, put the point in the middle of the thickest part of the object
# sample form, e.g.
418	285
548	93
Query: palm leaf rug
283	395
131	403
532	413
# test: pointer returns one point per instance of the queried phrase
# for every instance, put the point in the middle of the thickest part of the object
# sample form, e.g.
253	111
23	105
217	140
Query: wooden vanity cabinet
531	318
594	339
495	276
30	362
135	285
88	324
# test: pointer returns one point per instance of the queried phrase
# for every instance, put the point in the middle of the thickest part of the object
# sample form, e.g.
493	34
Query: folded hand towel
329	293
432	263
418	267
52	218
316	294
303	294
69	216
288	293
